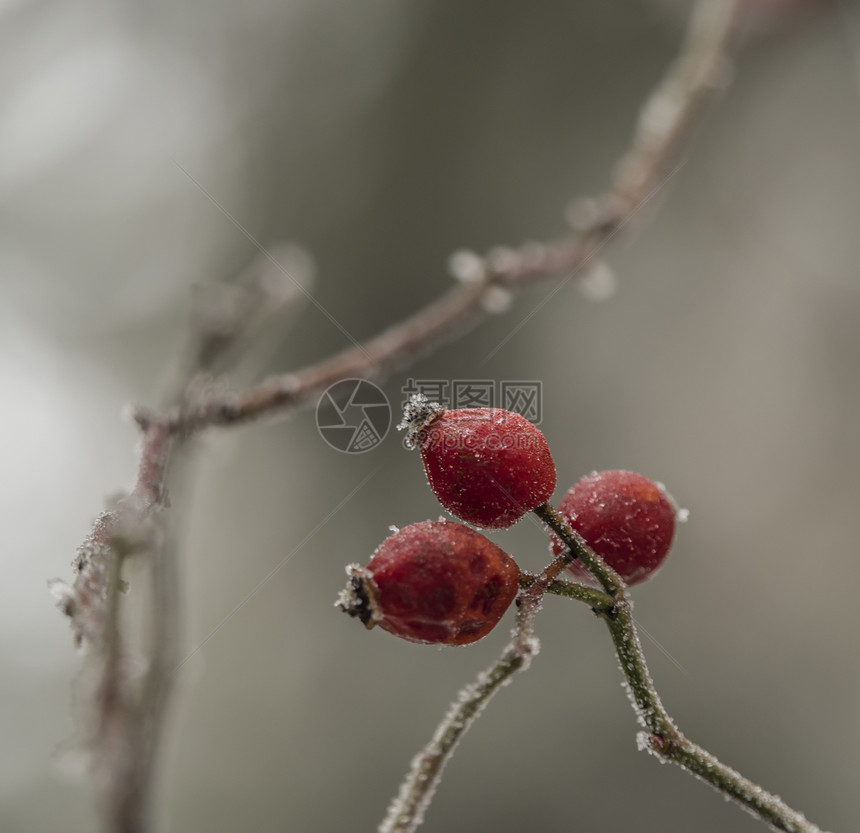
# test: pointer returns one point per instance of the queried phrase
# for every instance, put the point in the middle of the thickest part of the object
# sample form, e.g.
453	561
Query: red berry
435	582
624	517
486	466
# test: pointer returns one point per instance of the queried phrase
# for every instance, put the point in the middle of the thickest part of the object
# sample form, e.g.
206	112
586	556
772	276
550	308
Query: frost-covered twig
663	125
123	735
666	118
128	708
596	599
407	810
660	735
227	316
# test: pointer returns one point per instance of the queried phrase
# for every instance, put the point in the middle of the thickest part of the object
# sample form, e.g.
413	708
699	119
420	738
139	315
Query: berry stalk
611	582
661	737
597	600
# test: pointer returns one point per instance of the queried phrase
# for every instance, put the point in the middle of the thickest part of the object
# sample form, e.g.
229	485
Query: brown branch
668	116
665	122
122	735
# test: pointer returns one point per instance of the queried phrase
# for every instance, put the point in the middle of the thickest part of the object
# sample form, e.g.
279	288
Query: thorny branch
129	715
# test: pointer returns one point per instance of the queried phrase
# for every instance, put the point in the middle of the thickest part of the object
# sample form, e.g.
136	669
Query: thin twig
665	122
407	809
668	115
122	734
227	316
597	600
661	736
577	548
129	708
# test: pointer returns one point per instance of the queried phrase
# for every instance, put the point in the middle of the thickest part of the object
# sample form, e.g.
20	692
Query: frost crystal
417	415
63	594
502	259
660	111
598	283
533	255
466	266
496	300
681	515
582	213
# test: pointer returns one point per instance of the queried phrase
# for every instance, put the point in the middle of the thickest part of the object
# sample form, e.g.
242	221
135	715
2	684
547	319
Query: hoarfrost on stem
599	283
466	266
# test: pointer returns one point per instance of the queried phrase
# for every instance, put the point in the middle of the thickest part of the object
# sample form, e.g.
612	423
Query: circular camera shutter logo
353	416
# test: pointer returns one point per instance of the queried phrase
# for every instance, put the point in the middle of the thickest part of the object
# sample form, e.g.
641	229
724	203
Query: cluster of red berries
444	583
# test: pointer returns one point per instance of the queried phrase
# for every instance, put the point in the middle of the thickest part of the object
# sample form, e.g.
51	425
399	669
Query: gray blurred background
382	136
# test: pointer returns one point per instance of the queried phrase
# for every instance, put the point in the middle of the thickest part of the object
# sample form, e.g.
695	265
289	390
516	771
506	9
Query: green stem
597	600
611	582
749	795
660	736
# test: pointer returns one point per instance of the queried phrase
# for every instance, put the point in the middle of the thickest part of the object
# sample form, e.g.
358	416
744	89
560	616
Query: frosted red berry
435	582
626	518
486	466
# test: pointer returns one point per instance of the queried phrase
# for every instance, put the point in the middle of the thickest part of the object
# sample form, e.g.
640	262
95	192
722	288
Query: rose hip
624	517
434	582
486	466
